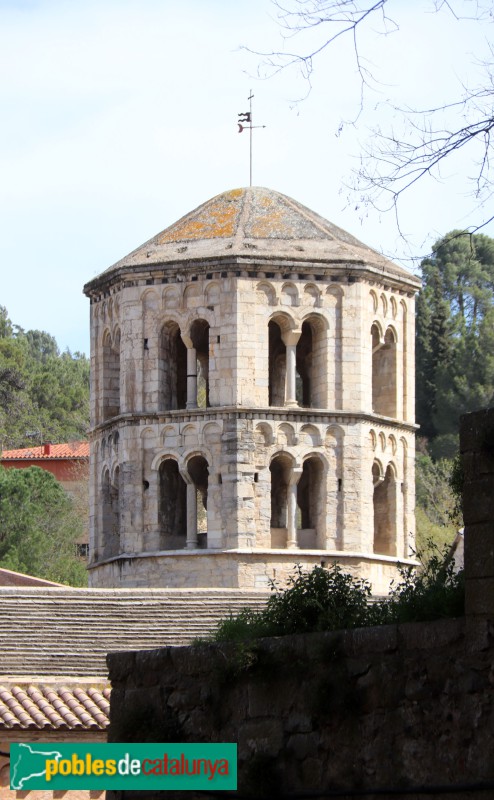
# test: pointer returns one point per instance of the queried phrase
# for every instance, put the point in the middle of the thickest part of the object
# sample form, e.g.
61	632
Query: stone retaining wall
392	707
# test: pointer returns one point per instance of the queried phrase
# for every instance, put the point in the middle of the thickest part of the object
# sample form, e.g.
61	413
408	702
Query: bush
435	591
330	599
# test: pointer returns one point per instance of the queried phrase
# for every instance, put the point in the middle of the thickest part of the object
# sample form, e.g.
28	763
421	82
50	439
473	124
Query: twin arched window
183	370
297	368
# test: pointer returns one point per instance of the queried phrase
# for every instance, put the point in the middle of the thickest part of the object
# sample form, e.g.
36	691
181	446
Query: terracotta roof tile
68	450
41	706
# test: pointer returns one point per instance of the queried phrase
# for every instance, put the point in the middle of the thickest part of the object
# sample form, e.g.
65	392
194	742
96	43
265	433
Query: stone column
291	512
191	377
290	339
191	516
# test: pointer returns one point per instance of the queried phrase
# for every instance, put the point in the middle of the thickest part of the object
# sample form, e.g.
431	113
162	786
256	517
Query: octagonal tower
252	402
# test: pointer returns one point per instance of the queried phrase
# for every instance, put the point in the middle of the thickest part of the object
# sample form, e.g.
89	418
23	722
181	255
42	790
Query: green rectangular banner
57	767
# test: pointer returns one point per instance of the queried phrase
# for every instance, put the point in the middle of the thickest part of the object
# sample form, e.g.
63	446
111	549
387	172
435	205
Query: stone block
477	430
479	633
260	737
430	635
479	550
479	597
383	639
302	745
120	665
478	500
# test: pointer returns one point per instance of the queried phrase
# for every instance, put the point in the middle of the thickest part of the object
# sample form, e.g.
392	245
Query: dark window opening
304	366
172	368
197	467
277	366
172	506
199	333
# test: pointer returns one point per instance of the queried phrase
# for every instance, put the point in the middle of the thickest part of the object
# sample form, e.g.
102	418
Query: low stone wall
395	707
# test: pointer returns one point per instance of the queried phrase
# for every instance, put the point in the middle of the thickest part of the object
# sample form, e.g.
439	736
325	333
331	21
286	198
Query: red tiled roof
10	578
42	706
48	451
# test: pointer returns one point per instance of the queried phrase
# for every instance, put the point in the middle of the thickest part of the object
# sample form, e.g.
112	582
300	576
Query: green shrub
321	600
330	599
434	591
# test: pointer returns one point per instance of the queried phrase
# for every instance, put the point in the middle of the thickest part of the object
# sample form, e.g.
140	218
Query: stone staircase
68	632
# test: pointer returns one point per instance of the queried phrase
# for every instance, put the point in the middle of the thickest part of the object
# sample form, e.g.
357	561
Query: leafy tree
433	350
6	329
39	527
44	394
437	514
455	336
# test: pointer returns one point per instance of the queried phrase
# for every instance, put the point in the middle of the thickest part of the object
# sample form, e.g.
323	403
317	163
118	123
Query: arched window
172	368
111	514
284	479
279	469
277	366
111	375
197	467
199	334
310	503
311	366
384	367
384	510
172	506
304	367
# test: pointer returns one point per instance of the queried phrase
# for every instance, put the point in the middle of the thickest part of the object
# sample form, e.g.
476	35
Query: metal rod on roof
246	116
250	137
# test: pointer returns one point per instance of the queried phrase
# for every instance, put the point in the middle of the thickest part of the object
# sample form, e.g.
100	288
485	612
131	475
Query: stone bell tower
252	402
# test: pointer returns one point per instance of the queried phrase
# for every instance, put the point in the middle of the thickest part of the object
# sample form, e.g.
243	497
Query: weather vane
246	116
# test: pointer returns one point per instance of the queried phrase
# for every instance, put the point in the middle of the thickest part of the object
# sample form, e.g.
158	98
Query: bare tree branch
393	162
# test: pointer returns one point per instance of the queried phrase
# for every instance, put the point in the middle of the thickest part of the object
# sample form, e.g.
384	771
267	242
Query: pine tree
455	336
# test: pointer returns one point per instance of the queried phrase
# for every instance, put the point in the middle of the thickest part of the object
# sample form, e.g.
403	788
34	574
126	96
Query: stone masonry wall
391	708
477	448
249	569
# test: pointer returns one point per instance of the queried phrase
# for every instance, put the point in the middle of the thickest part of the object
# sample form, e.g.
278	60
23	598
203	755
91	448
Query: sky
117	117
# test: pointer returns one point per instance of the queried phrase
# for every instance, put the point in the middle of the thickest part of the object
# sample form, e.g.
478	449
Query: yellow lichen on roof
272	223
217	220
